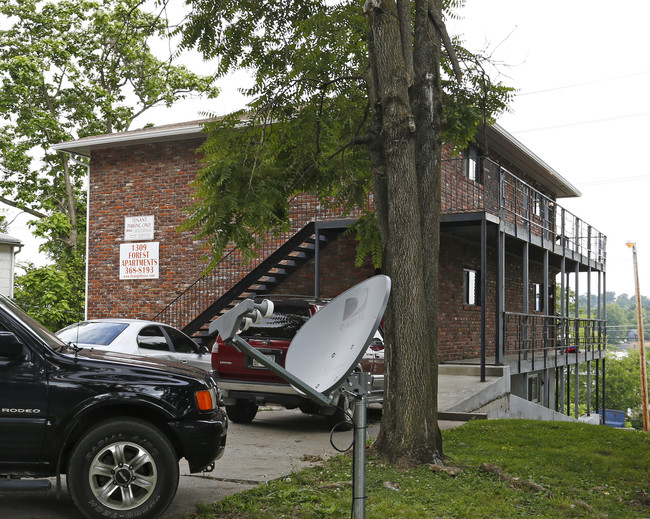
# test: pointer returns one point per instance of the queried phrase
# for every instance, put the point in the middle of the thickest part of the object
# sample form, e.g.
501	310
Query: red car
245	384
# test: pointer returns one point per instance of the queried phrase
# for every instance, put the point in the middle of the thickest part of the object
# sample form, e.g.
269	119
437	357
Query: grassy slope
562	470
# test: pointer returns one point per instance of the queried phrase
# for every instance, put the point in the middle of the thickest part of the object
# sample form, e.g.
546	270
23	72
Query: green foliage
308	128
551	469
70	69
623	319
50	295
369	240
624	385
4	223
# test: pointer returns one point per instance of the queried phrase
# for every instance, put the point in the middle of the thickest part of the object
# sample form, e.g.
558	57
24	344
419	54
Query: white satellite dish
323	354
331	344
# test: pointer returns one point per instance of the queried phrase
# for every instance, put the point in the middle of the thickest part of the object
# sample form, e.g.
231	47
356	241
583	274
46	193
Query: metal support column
604	388
562	307
316	262
561	398
499	350
526	306
577	340
589	336
603	341
547	311
483	293
359	455
499	347
597	385
568	389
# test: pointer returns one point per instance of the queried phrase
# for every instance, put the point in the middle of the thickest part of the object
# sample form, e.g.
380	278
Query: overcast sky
582	73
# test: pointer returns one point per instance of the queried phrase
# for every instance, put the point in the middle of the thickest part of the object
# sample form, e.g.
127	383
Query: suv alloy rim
122	476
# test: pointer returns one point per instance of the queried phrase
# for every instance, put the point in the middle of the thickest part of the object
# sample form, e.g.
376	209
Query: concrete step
460	389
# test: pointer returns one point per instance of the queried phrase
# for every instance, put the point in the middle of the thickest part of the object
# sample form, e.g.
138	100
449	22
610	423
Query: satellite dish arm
309	391
240	318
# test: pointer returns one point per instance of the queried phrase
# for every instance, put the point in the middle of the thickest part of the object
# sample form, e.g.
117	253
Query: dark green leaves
70	69
308	128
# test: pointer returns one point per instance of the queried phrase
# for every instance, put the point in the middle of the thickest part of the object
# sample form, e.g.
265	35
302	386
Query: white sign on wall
138	228
139	260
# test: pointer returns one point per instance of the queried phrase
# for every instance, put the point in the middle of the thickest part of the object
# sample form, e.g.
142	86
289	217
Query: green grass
563	470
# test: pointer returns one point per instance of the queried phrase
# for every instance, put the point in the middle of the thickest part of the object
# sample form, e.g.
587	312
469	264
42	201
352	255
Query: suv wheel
123	468
243	411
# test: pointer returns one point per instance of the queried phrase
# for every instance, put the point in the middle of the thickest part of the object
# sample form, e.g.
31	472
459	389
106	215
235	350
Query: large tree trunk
409	431
427	105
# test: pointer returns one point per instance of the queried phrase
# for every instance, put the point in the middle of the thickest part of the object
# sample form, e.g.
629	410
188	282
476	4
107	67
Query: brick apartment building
510	256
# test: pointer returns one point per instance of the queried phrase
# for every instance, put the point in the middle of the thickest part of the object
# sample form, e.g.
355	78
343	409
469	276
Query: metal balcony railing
536	338
524	210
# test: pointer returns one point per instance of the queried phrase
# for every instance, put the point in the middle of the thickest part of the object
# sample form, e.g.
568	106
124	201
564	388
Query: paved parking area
277	443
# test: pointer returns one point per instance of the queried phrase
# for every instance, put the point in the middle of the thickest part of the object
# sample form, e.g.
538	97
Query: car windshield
99	333
46	335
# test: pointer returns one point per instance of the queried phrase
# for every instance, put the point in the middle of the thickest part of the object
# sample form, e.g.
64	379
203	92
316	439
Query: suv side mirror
10	346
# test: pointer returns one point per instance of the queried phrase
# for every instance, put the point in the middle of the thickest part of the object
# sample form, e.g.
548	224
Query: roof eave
511	149
167	133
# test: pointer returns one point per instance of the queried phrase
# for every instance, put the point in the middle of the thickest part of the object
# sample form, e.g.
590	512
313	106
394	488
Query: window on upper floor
538	301
473	164
471	287
536	203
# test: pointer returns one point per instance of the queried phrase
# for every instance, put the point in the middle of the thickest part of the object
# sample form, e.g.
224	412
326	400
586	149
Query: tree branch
442	29
33	212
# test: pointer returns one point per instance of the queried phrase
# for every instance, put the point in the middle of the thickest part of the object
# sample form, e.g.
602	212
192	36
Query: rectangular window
538	295
471	288
537	204
473	163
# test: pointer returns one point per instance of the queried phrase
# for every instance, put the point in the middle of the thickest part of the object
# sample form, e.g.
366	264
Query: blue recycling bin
614	417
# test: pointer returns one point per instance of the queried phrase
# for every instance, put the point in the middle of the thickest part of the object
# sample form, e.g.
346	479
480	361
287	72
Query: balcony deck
521	211
527	362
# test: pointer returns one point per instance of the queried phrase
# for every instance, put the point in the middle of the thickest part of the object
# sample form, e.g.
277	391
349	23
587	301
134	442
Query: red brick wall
337	271
156	179
153	179
460	324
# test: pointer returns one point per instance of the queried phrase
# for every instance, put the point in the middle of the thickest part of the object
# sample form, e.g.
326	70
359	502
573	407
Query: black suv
115	425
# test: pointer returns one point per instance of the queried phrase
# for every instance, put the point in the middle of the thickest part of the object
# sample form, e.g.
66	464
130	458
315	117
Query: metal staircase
231	282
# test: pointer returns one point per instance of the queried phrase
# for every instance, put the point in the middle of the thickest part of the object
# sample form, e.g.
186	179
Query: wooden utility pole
639	320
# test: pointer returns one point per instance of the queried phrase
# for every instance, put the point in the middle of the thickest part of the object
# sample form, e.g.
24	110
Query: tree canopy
70	69
310	65
351	101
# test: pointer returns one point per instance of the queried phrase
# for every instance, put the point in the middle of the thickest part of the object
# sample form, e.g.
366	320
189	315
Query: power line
580	123
585	83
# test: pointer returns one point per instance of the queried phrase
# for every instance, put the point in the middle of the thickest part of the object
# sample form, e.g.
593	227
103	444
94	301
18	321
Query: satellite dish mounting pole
359	457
